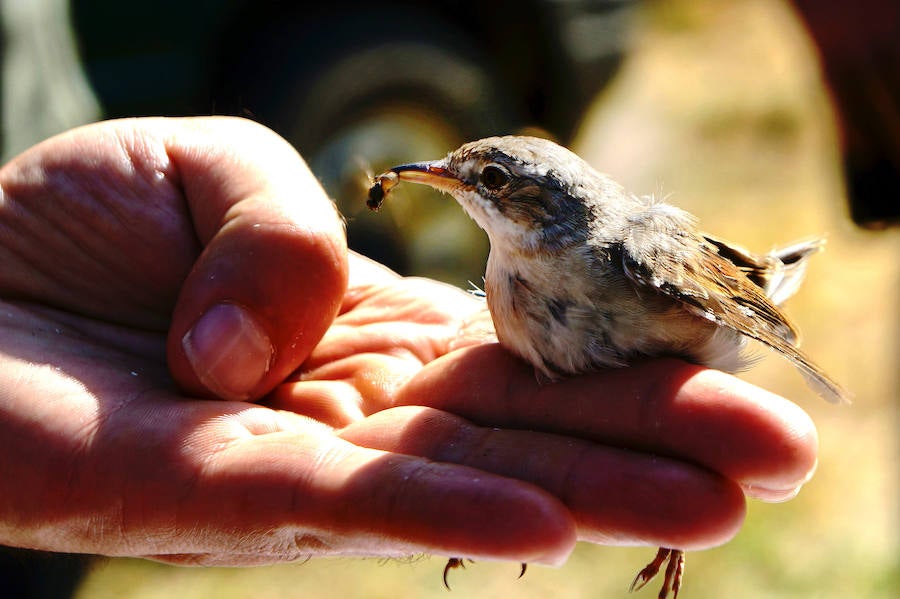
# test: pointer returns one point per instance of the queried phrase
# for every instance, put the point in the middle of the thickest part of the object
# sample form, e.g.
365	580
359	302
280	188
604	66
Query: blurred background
770	120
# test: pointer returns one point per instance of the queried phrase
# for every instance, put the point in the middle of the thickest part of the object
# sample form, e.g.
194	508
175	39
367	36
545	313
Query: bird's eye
494	177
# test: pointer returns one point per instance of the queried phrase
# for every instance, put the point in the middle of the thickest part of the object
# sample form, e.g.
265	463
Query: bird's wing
661	249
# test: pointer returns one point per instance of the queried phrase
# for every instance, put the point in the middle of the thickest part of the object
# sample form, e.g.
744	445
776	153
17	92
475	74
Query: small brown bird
583	275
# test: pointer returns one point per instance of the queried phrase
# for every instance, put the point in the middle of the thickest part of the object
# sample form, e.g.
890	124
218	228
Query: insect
382	184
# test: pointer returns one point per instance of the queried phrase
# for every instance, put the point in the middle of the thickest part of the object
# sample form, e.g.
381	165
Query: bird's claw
456	562
672	577
452	564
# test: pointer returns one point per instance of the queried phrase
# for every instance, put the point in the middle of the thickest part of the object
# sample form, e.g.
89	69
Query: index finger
667	407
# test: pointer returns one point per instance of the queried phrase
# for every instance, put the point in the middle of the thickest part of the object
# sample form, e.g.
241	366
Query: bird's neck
540	243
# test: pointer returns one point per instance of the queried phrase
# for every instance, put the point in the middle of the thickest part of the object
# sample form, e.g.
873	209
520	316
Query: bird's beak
433	174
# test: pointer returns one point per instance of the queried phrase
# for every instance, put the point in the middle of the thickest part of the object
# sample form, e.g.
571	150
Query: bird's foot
452	564
457	562
673	576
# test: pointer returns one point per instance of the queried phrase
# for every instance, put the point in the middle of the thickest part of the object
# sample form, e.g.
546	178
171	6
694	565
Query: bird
583	275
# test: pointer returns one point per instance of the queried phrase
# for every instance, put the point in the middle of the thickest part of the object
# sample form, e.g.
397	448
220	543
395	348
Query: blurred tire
364	92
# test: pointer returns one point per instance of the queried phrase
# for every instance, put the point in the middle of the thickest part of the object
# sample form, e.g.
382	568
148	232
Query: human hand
383	426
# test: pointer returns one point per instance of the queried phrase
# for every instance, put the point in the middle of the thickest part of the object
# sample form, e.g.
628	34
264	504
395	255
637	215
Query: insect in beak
433	174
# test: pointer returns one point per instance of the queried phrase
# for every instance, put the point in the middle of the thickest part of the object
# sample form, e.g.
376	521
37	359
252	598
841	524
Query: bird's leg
650	570
673	576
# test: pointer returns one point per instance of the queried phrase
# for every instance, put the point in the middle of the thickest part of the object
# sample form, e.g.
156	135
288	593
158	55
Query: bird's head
527	193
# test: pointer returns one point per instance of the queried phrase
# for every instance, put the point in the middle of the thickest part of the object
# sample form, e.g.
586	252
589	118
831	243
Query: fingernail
229	351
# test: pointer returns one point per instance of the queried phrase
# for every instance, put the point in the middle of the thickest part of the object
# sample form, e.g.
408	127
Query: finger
343	391
617	496
233	483
333	403
276	495
761	441
273	269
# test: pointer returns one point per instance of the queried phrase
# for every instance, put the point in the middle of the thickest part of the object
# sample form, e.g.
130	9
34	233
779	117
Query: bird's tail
790	268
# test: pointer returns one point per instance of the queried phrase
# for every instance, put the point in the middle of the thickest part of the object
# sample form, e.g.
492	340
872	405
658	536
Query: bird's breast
548	313
567	315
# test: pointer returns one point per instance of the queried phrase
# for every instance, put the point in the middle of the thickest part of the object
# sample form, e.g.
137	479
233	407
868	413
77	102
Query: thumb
273	270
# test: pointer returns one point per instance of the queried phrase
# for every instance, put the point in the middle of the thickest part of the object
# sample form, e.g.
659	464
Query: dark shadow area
27	574
347	82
